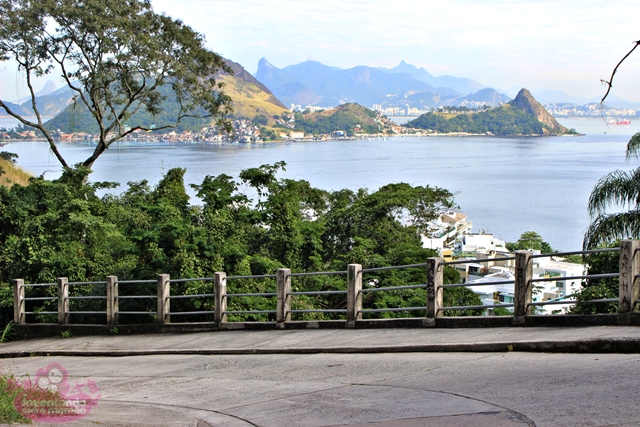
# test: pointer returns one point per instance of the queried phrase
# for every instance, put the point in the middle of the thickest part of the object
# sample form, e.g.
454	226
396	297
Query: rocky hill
527	103
250	97
523	116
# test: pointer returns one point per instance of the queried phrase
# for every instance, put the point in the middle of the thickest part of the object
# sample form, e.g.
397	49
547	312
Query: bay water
506	186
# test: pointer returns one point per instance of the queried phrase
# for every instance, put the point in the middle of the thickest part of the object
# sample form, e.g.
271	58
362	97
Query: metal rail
86	283
317	293
136	297
262	294
184	313
478	261
128	282
40	312
251	312
594	301
475	307
197	279
585	276
137	312
319	273
392	288
397	267
385	310
87	312
328	310
191	296
462	285
590	251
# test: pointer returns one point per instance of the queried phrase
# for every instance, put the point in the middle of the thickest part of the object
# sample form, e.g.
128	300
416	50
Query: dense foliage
60	228
503	121
599	288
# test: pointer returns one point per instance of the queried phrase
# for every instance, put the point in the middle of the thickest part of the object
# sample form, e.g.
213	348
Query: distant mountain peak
49	87
527	103
263	63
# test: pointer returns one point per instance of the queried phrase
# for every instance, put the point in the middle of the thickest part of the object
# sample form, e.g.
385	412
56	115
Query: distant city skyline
563	46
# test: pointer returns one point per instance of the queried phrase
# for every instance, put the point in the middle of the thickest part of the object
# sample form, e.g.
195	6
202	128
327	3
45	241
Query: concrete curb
595	345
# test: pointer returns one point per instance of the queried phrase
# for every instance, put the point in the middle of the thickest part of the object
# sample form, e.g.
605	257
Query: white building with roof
547	267
445	230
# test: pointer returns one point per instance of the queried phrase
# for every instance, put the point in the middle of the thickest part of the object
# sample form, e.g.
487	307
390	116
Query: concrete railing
629	291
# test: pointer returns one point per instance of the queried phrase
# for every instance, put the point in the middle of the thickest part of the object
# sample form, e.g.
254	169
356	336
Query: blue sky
556	45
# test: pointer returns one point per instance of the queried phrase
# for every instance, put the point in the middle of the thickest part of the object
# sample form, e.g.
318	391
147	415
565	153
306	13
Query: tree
618	188
531	240
118	57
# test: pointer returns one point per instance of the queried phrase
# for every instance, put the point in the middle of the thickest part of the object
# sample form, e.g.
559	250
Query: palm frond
633	147
608	228
619	187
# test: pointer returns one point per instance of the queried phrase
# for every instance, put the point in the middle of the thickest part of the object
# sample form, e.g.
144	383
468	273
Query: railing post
63	300
435	280
18	302
354	296
220	292
164	303
112	301
523	288
629	269
284	299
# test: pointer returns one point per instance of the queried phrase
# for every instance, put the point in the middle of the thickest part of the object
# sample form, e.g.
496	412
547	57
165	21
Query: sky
506	44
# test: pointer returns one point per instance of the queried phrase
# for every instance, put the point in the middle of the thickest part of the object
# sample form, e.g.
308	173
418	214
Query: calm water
505	185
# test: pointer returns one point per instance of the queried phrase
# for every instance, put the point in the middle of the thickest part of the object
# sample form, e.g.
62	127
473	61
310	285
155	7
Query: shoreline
4	142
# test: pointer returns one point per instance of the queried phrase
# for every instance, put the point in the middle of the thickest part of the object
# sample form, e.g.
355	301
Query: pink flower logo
50	398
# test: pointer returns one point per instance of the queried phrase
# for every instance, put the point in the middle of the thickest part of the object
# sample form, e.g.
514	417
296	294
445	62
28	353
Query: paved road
408	389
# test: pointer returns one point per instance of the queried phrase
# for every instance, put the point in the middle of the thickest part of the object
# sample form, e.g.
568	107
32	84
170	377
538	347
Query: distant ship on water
619	122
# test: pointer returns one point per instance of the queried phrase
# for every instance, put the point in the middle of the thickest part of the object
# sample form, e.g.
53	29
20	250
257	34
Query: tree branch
610	82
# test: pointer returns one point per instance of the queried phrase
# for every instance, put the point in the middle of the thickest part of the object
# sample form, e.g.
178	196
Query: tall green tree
618	189
530	240
117	56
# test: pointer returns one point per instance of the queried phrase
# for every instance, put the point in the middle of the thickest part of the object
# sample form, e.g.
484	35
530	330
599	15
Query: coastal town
284	129
493	281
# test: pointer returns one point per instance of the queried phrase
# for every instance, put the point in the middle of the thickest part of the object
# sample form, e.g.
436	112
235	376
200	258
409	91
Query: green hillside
522	116
345	118
503	120
250	99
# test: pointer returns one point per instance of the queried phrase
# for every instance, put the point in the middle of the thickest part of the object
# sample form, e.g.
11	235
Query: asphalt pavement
326	378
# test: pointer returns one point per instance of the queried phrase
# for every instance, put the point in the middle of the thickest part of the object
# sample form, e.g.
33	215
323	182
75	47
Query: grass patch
13	174
8	392
7	332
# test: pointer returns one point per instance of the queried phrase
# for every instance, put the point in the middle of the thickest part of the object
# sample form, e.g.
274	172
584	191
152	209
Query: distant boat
619	122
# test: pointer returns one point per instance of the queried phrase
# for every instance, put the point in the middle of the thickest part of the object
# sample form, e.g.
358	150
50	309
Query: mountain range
313	83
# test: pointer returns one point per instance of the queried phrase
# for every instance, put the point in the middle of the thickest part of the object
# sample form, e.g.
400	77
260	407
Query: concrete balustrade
63	300
629	294
354	296
523	289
